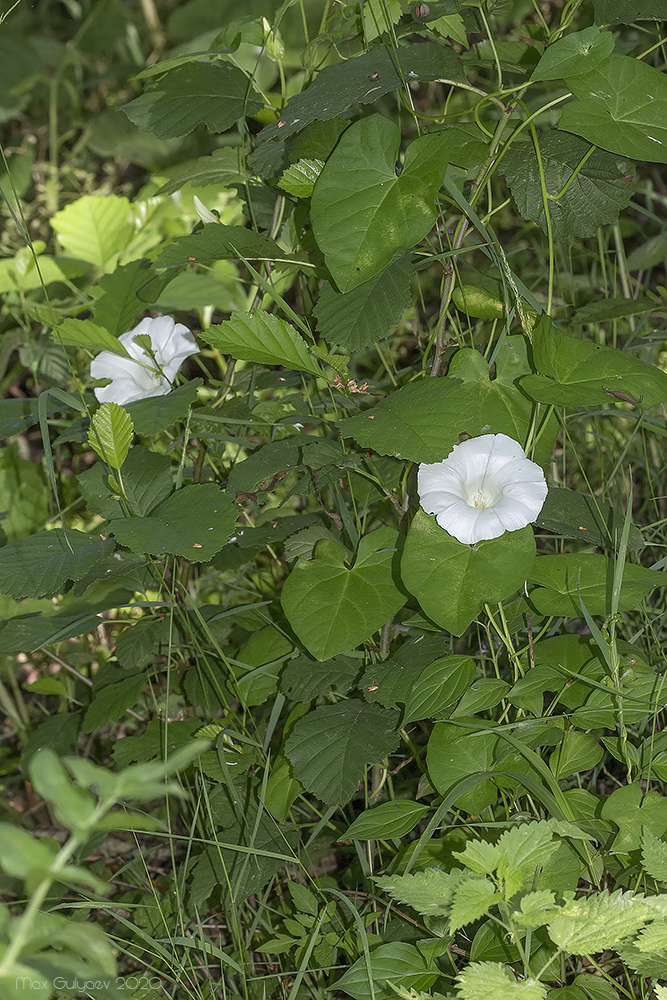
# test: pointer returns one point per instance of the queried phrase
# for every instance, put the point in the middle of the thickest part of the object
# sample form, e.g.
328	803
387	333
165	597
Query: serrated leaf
429	892
125	292
217	94
332	608
152	416
439	685
330	747
587	576
535	907
419	422
589	925
304	678
622	107
491	979
579	373
628	11
195	522
472	899
453	581
601	189
366	314
397	963
571	55
217	242
362	213
299	179
85	333
390	820
110	434
94	228
222	169
263	338
362	80
41	565
654	856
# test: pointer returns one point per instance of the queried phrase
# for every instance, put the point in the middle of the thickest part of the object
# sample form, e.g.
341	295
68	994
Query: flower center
480	494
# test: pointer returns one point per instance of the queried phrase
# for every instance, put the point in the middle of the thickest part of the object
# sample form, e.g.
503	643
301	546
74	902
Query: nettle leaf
654	856
601	189
332	608
41	565
363	80
330	747
453	581
439	686
578	373
589	576
429	892
299	179
397	963
362	213
472	899
217	242
491	979
358	318
94	228
217	94
110	434
387	821
195	522
263	338
571	55
419	422
586	926
85	333
622	107
152	416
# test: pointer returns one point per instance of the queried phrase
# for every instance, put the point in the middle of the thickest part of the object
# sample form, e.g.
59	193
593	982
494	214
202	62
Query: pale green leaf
110	434
299	179
263	338
654	856
482	980
95	228
222	169
388	821
535	908
589	925
429	892
85	333
453	755
472	899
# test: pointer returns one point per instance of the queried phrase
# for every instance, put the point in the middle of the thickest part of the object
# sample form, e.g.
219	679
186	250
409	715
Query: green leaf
577	373
452	755
146	478
195	522
577	752
24	633
336	88
332	608
124	293
574	54
263	338
41	565
453	581
601	188
388	821
304	678
646	954
362	213
110	434
654	856
330	747
589	576
358	318
217	242
19	60
94	228
25	498
299	179
429	892
74	807
397	963
589	925
622	107
85	333
419	422
575	515
482	695
217	94
222	169
390	682
604	310
21	853
632	811
110	704
439	685
491	979
628	11
152	416
472	900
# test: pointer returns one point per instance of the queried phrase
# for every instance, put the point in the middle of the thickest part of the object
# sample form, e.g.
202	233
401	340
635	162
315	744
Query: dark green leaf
217	94
602	187
24	633
622	107
335	88
263	338
151	416
419	422
364	315
605	310
217	242
41	565
127	291
574	515
222	169
256	473
439	686
398	963
58	733
330	747
304	678
628	11
110	703
388	821
146	478
195	522
391	682
362	213
454	754
567	578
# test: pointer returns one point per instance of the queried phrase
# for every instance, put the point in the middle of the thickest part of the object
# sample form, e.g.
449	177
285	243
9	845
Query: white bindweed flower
152	366
485	487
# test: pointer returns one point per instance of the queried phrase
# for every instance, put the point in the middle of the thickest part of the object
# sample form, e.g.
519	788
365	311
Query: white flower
149	371
486	486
